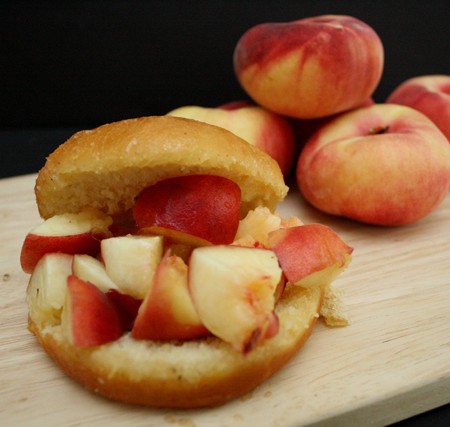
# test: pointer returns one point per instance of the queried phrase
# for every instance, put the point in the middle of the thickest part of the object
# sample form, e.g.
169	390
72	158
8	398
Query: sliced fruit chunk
205	206
233	289
258	224
167	311
131	261
47	288
127	307
311	254
92	270
89	318
174	236
177	242
67	233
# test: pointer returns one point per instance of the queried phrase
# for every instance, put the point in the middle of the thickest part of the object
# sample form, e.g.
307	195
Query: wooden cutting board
392	362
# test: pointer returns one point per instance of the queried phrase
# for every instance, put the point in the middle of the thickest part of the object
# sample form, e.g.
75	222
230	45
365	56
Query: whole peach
384	164
312	67
428	94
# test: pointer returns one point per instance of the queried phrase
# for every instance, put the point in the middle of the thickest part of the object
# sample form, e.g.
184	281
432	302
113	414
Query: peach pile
170	274
382	165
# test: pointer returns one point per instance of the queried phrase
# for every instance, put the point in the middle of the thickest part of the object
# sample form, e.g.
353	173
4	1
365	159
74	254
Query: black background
89	62
69	65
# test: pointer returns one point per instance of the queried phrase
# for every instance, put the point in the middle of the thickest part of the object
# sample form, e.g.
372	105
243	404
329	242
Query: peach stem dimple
378	130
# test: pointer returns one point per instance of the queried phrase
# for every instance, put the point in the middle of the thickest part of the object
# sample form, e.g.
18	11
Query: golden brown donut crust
191	374
108	166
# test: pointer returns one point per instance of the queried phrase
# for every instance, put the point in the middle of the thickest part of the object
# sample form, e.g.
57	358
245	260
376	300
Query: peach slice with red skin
89	318
167	312
205	206
127	307
35	246
311	254
67	233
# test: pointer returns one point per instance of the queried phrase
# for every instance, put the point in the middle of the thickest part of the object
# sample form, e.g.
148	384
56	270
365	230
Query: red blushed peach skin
428	94
308	249
67	233
383	164
89	317
178	203
312	67
127	307
36	246
167	312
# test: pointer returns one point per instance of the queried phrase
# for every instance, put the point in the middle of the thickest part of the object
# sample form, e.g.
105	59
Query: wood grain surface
392	362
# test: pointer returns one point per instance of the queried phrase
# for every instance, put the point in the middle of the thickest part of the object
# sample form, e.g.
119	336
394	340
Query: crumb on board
333	310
